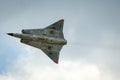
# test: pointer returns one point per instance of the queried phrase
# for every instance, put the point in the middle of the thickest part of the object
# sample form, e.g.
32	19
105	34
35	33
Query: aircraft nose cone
11	34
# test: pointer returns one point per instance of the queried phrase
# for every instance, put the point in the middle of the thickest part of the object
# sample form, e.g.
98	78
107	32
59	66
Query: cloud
65	71
95	28
29	67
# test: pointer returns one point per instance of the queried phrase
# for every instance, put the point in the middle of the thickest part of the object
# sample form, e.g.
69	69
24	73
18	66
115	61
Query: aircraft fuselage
40	38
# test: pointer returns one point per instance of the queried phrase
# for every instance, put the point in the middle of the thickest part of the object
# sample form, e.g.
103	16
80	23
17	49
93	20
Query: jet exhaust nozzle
11	34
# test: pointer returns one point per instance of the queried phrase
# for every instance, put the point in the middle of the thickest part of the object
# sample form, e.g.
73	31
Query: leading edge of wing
57	25
52	51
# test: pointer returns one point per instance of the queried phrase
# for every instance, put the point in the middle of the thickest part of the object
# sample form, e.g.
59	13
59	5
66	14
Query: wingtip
56	62
62	19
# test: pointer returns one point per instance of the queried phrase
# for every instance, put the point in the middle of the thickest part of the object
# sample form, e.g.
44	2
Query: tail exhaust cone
11	34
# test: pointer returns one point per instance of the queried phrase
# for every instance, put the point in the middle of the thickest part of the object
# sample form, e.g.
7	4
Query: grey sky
92	28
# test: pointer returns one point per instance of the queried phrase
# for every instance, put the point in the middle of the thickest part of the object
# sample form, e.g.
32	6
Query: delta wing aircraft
50	39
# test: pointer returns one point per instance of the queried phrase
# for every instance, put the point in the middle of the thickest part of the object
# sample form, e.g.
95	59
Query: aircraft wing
51	50
57	25
54	30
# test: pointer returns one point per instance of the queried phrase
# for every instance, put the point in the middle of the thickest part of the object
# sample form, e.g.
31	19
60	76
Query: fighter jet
50	39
